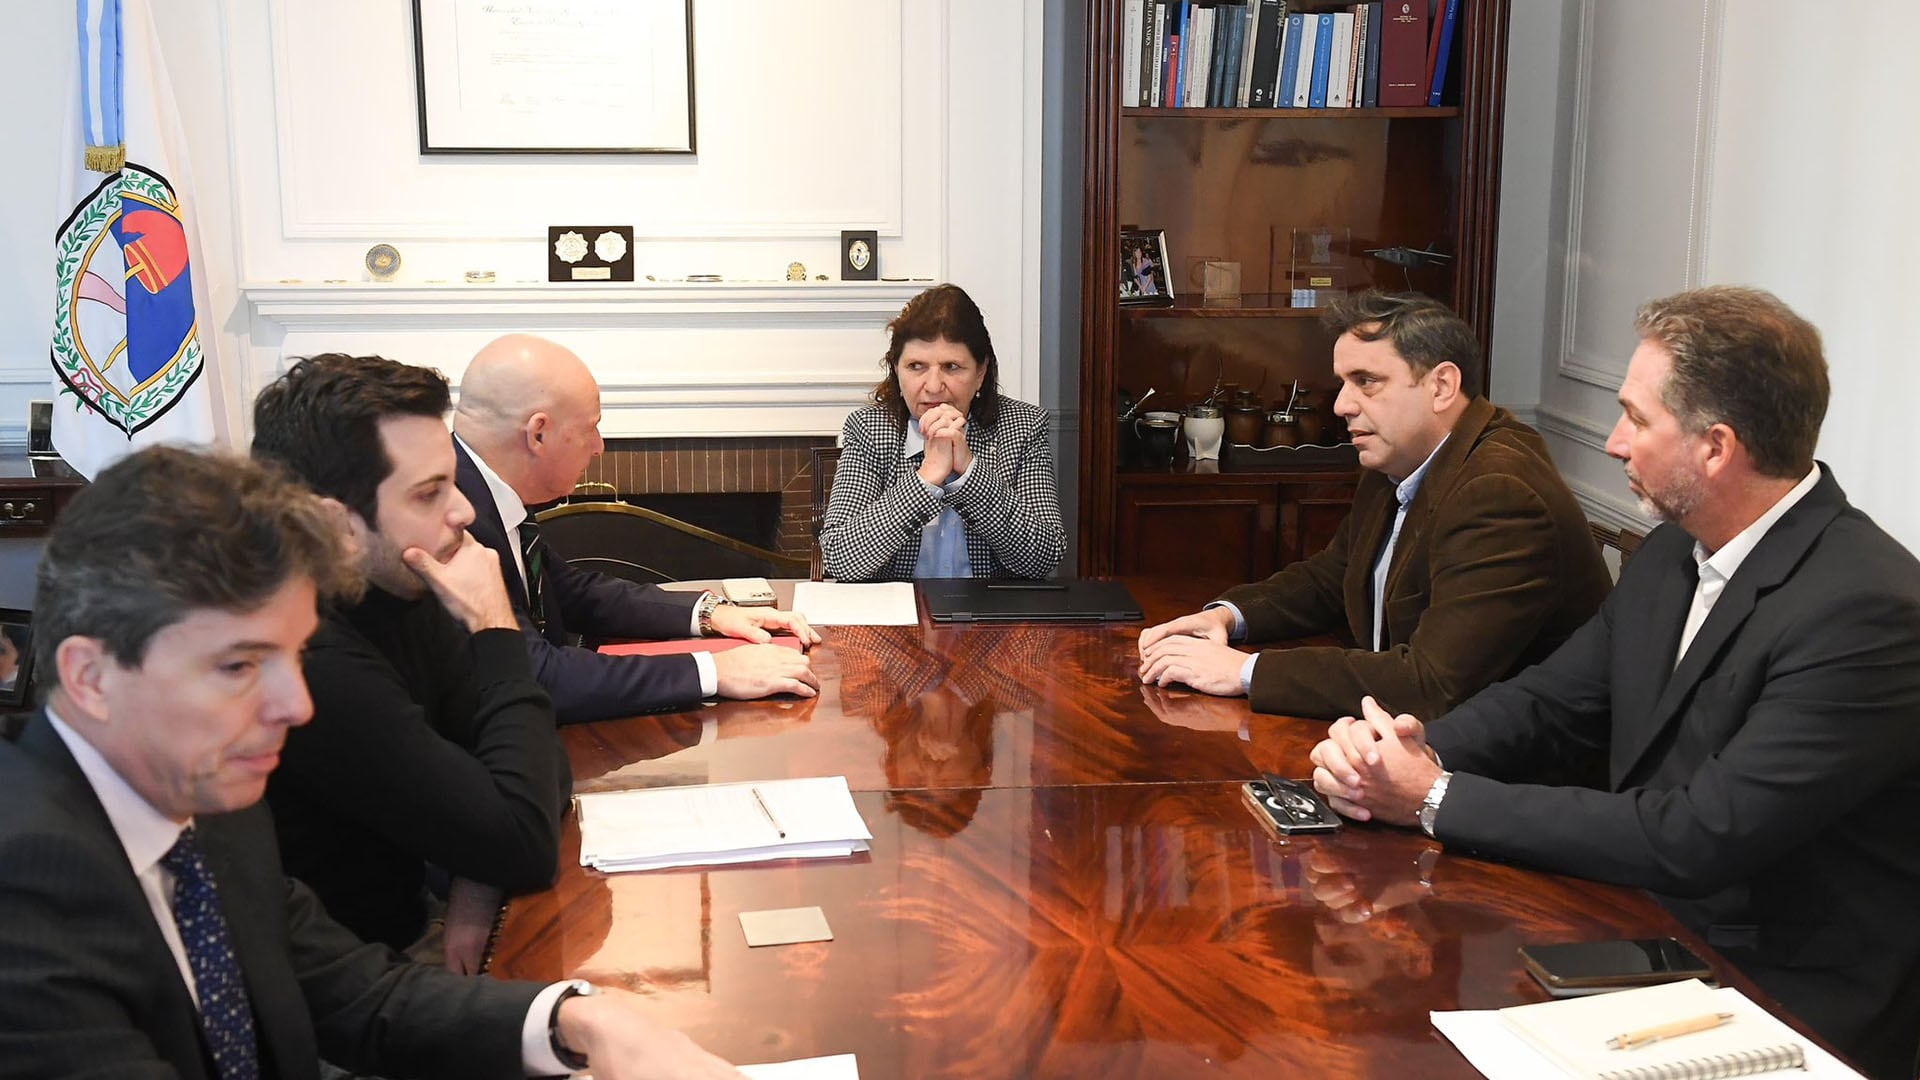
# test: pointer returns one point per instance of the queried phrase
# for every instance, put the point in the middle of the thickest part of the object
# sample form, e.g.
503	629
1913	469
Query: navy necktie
226	1020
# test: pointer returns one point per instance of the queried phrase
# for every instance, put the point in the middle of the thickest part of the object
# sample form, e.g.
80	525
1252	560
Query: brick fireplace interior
759	490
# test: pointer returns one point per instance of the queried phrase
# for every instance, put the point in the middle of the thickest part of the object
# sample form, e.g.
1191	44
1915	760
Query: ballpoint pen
771	820
1646	1036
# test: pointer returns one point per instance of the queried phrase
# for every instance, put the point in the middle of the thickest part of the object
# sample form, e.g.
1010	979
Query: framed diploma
554	76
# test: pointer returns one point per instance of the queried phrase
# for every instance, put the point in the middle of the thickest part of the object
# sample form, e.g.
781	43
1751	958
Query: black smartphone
1591	967
1286	807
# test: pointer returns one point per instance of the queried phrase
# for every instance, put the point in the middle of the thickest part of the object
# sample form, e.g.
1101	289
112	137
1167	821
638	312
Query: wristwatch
571	1058
1430	806
703	612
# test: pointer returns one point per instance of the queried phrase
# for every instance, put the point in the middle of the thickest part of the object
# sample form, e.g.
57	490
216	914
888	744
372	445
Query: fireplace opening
751	517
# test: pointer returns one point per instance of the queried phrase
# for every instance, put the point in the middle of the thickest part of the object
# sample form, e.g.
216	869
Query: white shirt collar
512	511
913	442
145	833
1735	551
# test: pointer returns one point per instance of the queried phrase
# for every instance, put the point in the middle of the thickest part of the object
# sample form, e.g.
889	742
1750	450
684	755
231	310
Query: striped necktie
226	1020
534	554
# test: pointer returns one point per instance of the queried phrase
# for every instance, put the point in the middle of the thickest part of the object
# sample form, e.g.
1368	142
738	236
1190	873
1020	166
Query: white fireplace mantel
673	358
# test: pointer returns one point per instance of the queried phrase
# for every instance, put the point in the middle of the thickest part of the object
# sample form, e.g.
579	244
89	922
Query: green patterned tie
535	554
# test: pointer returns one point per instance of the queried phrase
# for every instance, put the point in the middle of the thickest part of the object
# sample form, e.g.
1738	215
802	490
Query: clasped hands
947	454
1376	767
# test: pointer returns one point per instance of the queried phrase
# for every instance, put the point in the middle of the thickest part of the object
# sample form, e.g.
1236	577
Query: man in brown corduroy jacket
1461	522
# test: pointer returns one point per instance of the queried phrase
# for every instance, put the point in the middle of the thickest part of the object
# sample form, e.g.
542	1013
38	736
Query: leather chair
649	547
1623	541
826	460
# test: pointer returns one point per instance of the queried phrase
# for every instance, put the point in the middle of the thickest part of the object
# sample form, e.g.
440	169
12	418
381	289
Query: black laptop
1017	600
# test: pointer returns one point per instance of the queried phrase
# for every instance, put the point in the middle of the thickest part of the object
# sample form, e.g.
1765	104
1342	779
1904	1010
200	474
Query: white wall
919	119
1705	142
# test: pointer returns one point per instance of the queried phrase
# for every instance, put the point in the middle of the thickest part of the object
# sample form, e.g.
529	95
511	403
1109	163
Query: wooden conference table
1063	880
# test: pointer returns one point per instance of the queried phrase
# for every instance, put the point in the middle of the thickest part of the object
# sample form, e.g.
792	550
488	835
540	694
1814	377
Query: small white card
785	926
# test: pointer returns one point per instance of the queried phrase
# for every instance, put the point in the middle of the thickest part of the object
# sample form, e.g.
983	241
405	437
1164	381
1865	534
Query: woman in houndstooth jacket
941	476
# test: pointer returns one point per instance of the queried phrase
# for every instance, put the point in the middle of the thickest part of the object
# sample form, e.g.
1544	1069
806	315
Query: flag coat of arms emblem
127	353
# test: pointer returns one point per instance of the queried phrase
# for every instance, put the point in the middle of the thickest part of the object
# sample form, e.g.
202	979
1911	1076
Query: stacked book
1255	54
715	824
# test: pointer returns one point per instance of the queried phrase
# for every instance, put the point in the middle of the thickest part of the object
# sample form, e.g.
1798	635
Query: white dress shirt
147	835
513	514
1403	493
1717	569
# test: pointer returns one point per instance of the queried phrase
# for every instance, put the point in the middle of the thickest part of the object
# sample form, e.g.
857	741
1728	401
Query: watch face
859	255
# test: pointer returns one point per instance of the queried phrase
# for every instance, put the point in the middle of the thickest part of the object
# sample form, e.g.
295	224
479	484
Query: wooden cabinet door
1202	529
1309	516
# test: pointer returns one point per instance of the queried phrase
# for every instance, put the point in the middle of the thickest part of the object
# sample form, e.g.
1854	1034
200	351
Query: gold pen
771	820
1646	1036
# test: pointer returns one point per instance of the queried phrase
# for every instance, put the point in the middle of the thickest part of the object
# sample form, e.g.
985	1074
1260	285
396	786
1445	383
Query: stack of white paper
712	824
833	603
837	1067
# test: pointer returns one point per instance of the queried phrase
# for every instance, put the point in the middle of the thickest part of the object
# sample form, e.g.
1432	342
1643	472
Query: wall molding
310	306
1576	428
1610	507
888	219
1607	372
672	360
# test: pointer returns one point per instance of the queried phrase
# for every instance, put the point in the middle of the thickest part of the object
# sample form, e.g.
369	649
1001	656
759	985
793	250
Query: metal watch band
1430	806
704	612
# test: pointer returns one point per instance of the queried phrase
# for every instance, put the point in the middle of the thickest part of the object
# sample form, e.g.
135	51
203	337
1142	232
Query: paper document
837	1067
716	824
834	603
1568	1038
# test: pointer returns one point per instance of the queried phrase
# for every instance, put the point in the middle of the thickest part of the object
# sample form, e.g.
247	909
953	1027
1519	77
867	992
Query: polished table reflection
1063	881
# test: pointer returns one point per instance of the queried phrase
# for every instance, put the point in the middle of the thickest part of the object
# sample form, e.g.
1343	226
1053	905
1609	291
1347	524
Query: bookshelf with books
1288	204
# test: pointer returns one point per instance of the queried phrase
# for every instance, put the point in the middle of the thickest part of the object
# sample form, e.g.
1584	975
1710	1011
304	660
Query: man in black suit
527	424
146	926
1753	681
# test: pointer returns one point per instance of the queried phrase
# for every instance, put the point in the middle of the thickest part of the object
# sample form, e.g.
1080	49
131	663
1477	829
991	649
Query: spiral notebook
1532	1040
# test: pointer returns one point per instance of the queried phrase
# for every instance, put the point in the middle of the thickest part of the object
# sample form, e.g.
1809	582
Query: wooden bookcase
1222	183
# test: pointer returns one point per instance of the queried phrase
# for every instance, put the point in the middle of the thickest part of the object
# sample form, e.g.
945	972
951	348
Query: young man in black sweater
432	746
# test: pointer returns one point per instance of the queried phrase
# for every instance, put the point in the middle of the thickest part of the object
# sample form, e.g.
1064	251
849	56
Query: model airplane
1408	258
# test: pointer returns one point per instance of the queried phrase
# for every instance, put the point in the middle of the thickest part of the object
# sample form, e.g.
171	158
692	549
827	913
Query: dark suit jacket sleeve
1494	557
51	1022
877	508
1832	724
374	1012
586	685
482	800
603	606
1019	520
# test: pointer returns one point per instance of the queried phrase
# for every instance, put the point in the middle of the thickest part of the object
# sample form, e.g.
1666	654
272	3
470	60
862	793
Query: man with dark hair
1754	684
147	927
527	425
434	746
1464	558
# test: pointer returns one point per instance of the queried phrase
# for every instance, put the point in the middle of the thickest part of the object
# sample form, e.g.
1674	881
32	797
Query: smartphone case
1288	807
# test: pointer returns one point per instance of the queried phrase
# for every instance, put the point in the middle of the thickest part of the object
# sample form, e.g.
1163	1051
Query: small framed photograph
16	658
1143	268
